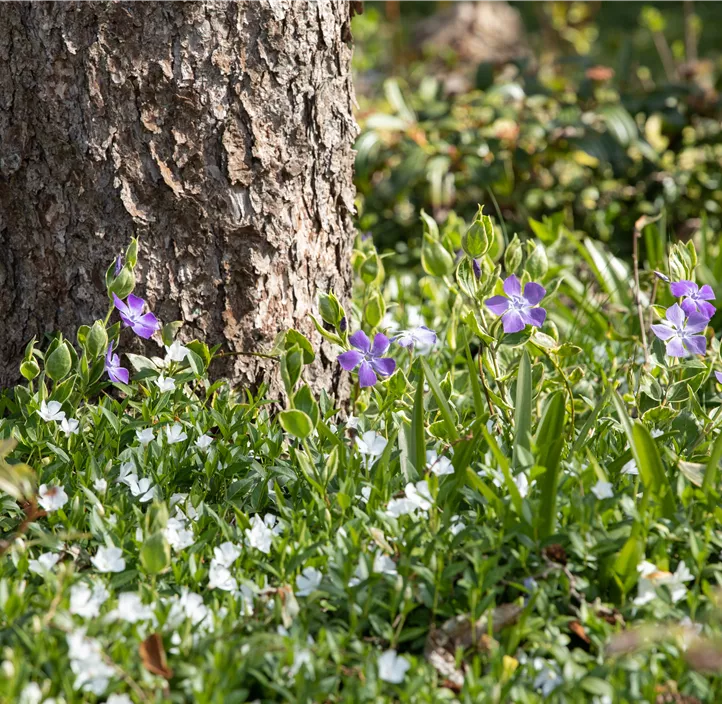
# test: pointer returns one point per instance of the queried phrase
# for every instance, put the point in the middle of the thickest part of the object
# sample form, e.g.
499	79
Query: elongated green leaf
582	437
628	558
549	442
522	410
710	473
441	400
511	486
646	455
474	383
417	444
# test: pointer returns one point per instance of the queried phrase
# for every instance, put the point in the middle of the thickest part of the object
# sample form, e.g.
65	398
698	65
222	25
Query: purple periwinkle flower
368	358
131	313
662	276
118	264
682	335
343	324
112	366
417	337
476	267
718	376
694	298
517	309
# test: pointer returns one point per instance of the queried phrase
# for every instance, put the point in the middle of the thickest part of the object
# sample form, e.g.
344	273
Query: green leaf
522	409
710	473
304	401
441	400
646	455
417	445
503	462
549	442
155	554
297	423
474	383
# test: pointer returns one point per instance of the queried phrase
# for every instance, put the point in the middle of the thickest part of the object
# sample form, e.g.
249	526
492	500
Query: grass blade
522	412
710	473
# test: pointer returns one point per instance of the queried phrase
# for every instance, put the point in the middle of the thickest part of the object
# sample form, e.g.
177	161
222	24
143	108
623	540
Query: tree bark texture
220	133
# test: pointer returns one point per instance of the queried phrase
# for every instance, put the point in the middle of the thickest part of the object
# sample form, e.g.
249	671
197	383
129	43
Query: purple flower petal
697	344
497	304
676	315
384	366
425	336
690	306
663	332
381	344
696	322
706	293
706	308
719	376
662	276
366	375
118	303
534	316
683	288
135	305
360	341
119	375
534	292
350	360
512	321
145	326
675	348
512	286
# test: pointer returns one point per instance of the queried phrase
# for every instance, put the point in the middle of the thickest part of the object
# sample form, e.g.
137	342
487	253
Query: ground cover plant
521	503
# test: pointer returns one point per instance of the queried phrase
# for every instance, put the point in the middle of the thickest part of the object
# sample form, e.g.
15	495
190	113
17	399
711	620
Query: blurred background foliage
577	115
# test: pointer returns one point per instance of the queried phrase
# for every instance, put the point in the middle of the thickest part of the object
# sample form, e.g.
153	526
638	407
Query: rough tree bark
220	133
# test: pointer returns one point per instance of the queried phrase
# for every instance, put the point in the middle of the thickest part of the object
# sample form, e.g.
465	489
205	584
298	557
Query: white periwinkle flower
69	426
91	672
144	436
177	533
602	490
131	609
175	352
44	563
383	564
259	535
371	445
392	667
204	442
52	411
308	581
174	433
86	600
108	559
165	384
51	498
100	485
440	466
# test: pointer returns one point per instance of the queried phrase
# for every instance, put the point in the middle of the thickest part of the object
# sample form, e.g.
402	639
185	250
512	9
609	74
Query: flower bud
123	284
537	263
58	362
97	340
513	256
477	240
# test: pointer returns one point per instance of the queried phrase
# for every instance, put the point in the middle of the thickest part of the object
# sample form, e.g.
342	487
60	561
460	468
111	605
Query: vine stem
638	225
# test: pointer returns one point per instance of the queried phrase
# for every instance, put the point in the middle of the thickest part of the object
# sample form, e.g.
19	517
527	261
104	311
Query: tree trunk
220	133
